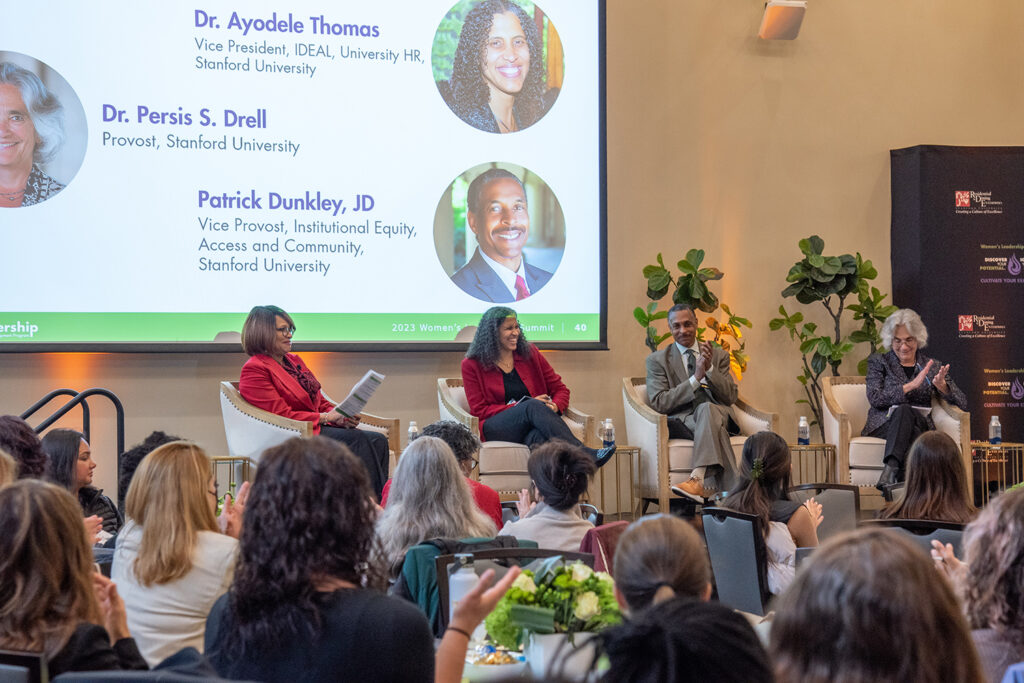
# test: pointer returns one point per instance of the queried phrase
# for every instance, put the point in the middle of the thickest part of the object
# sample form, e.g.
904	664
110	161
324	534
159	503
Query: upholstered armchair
859	458
667	462
502	463
251	430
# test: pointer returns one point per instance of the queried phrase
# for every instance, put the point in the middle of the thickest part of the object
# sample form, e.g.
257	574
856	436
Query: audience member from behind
21	443
8	469
936	485
658	558
683	640
992	582
465	446
307	602
172	562
561	473
131	459
71	466
429	498
867	606
763	490
50	598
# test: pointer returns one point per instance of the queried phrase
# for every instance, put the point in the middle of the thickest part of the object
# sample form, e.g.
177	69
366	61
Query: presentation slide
384	171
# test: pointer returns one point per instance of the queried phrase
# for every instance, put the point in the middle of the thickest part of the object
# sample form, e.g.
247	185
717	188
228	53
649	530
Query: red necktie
521	291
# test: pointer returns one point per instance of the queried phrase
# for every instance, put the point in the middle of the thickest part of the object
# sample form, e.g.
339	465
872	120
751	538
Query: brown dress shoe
693	489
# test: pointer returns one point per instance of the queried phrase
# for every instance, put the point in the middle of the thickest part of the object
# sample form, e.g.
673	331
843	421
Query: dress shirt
507	277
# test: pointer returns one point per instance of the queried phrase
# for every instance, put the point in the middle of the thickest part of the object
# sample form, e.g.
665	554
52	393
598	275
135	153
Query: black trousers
370	447
903	426
530	422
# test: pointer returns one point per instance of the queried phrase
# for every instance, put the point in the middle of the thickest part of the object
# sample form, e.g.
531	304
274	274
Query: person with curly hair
51	601
307	600
936	485
513	390
499	80
763	490
278	381
172	561
132	457
429	499
465	446
498	216
867	606
21	443
991	583
71	466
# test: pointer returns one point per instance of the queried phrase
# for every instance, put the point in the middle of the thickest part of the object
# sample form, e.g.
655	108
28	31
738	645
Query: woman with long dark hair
307	600
51	601
936	486
763	490
278	381
499	80
71	466
513	389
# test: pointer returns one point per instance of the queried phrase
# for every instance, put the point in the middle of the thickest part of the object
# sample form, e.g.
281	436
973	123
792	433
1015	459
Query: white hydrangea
587	606
581	572
524	582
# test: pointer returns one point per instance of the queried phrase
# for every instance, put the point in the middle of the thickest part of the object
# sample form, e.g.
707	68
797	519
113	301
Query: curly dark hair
458	436
310	515
470	94
22	443
561	472
131	459
62	446
485	348
993	590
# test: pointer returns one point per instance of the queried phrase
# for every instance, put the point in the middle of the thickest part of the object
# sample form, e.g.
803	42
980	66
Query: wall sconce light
782	19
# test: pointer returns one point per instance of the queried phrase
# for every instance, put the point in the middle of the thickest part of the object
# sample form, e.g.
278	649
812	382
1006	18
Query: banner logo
18	330
963	198
1017	389
980	327
976	202
966	323
1013	265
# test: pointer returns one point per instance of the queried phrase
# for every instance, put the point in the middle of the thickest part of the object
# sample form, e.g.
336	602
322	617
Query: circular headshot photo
498	64
42	131
499	232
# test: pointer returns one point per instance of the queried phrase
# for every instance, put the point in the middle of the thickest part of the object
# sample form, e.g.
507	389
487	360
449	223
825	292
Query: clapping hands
814	507
230	520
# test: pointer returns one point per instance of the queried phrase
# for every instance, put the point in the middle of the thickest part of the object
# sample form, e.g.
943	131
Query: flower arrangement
554	598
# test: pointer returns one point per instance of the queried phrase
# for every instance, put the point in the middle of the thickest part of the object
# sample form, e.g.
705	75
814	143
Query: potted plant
551	611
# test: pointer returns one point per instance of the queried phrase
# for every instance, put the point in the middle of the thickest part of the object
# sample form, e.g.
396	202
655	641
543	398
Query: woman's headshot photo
42	131
498	64
499	232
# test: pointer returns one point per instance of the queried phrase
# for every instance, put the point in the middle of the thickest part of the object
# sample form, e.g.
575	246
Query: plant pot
551	653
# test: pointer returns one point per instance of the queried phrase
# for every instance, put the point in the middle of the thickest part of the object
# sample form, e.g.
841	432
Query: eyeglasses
286	330
909	341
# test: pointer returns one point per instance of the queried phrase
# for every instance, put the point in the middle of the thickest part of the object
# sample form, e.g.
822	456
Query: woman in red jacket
513	389
277	381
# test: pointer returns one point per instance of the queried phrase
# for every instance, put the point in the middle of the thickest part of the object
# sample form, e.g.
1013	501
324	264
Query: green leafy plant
691	287
554	598
829	280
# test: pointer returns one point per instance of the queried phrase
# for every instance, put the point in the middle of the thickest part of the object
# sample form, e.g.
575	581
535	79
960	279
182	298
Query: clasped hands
703	361
939	381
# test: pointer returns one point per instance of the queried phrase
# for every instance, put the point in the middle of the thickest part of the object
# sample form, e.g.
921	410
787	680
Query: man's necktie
691	361
521	291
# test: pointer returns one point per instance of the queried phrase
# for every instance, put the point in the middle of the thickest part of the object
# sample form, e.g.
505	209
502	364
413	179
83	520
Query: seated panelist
513	389
277	381
900	386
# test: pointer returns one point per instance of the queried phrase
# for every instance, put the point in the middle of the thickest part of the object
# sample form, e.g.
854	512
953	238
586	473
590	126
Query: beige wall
715	140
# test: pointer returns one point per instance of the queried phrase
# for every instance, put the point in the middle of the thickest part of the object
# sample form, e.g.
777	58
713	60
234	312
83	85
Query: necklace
507	366
11	196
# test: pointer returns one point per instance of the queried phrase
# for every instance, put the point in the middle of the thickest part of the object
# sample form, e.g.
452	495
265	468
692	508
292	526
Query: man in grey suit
690	382
497	214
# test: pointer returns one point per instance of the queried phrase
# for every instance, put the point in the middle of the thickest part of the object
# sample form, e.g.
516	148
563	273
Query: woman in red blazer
513	389
279	382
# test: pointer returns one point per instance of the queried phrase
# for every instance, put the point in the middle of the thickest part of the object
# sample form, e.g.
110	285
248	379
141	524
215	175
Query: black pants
901	429
530	422
370	447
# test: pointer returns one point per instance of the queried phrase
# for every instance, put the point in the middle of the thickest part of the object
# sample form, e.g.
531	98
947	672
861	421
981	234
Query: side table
813	463
629	454
995	467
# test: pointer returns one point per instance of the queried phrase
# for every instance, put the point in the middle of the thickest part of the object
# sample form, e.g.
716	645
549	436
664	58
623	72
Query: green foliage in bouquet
554	598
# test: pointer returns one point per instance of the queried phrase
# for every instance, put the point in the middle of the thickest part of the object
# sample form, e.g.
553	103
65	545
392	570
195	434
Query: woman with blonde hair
429	498
172	561
658	558
8	469
51	601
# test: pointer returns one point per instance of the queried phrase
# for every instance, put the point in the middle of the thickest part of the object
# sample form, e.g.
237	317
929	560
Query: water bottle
414	431
608	433
803	431
995	431
459	585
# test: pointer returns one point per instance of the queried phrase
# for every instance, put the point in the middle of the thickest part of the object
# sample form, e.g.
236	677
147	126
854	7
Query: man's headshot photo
42	138
499	233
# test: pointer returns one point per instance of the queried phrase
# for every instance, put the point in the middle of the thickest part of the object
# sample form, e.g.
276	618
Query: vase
551	653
